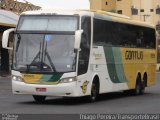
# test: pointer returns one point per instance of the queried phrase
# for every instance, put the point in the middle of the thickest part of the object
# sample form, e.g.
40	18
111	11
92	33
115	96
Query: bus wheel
137	89
39	99
140	87
94	92
143	84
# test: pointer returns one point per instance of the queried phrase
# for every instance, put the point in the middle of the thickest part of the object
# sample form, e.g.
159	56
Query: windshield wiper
17	46
41	55
49	59
18	42
38	55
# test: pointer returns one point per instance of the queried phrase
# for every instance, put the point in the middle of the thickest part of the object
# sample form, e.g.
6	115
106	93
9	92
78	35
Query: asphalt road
108	103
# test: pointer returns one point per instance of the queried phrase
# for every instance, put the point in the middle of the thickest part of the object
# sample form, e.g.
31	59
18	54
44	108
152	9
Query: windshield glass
44	52
45	44
50	23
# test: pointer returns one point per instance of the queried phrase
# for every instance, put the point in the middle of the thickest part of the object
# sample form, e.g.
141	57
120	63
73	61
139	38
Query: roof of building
8	18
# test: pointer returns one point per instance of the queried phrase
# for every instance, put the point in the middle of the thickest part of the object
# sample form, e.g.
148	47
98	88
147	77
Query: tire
94	92
39	99
143	85
139	88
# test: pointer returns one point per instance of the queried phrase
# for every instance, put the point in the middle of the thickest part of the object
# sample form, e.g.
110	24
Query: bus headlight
67	80
17	78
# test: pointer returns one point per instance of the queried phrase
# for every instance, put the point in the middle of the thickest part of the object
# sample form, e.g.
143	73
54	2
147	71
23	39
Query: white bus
81	53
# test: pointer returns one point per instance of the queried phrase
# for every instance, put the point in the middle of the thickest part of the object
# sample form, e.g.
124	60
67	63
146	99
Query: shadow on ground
82	100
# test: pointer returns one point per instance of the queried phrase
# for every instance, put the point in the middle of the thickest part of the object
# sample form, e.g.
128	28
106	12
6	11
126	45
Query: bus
77	53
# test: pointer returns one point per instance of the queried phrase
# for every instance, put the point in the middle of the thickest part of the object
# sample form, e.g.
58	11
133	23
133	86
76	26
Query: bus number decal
134	55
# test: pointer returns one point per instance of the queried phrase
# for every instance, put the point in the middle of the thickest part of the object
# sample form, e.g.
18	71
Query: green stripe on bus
111	64
51	78
119	64
114	64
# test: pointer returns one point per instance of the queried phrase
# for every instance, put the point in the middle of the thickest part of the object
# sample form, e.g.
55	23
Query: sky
60	4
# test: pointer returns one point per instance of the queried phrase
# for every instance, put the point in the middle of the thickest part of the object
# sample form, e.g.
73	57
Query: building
143	10
7	20
106	5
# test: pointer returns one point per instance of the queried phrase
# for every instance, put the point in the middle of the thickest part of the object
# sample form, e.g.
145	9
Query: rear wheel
39	99
140	87
137	89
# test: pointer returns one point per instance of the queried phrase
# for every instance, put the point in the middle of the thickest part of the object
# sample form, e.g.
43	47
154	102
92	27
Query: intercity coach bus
81	53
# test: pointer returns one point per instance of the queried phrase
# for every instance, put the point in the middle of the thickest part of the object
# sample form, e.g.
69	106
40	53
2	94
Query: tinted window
85	46
119	34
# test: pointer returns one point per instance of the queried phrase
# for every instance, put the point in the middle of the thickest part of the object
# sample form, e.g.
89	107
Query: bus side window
85	46
140	39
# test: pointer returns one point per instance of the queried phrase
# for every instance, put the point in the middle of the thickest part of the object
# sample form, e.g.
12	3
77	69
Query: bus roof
123	19
113	16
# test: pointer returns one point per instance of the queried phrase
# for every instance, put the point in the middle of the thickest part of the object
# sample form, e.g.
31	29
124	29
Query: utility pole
145	16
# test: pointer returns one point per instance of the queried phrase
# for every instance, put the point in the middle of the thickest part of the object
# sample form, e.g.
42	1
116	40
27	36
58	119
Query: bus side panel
139	61
107	63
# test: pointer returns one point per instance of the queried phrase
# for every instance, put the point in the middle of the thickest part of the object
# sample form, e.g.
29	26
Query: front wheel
94	92
39	99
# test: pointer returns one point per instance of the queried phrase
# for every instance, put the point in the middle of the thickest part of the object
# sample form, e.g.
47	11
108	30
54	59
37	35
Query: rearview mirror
78	35
7	35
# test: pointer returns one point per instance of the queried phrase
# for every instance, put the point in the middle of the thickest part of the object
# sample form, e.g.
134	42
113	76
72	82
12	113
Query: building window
158	27
134	11
158	10
151	10
142	10
106	3
119	11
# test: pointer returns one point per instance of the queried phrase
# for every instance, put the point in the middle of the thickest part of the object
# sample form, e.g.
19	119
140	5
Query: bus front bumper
62	89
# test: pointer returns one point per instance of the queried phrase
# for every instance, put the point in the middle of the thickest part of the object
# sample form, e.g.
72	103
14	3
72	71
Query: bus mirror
78	35
7	35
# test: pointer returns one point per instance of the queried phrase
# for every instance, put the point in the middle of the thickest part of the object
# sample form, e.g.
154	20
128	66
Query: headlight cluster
67	80
17	78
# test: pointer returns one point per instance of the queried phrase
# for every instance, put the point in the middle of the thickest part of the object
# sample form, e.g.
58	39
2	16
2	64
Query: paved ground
108	103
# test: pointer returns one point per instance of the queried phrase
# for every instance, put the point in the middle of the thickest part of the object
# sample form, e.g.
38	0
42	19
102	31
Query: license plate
41	89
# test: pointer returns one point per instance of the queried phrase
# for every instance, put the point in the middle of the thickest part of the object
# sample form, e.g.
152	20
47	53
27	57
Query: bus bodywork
46	62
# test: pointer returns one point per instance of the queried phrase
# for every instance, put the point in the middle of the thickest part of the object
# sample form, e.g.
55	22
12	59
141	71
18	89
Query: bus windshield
48	23
45	51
